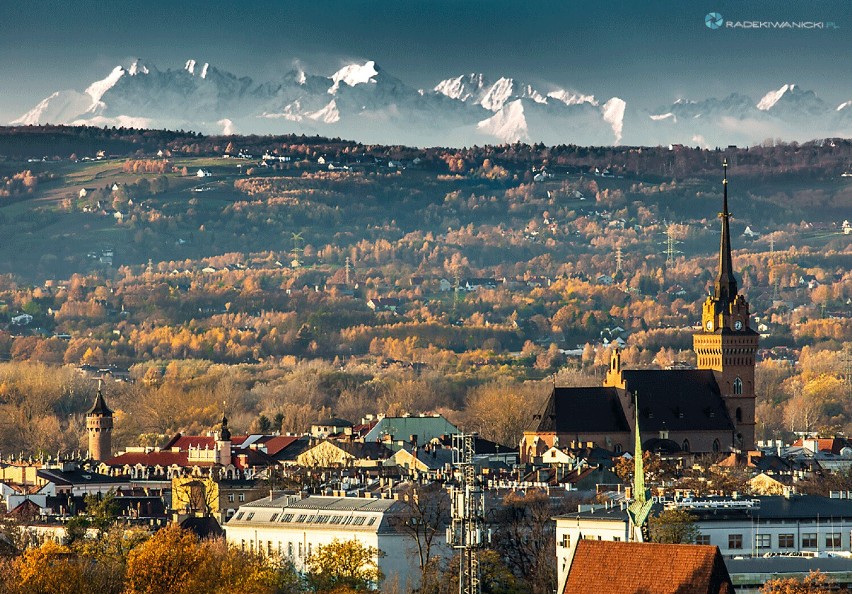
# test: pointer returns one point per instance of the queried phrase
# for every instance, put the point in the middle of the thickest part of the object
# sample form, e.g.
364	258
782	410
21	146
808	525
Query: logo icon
714	20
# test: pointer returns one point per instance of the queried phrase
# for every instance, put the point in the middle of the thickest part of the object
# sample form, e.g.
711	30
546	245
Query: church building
707	409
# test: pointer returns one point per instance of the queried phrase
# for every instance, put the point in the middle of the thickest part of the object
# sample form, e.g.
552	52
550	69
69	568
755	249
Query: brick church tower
726	344
99	429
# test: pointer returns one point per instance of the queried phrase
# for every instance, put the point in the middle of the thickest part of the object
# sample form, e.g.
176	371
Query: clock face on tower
738	325
709	325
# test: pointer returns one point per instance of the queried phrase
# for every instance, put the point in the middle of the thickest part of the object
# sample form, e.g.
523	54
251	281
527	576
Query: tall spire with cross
726	283
726	344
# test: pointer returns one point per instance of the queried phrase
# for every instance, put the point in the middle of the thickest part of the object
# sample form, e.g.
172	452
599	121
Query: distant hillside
824	158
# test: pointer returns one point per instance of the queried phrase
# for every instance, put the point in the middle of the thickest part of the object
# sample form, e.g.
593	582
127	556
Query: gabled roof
678	400
25	510
426	428
276	443
601	567
824	444
333	422
480	445
185	442
364	451
76	477
291	450
434	459
581	410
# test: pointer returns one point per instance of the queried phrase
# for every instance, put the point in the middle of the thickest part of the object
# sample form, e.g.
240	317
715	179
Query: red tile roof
184	442
603	567
276	443
825	444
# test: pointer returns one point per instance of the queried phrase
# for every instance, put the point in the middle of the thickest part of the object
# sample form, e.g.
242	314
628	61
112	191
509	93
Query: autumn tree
673	526
55	569
171	561
174	561
343	564
814	583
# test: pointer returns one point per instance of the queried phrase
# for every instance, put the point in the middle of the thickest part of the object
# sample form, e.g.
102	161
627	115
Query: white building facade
292	528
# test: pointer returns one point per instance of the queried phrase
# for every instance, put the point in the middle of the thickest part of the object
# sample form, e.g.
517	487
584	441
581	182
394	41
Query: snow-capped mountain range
363	102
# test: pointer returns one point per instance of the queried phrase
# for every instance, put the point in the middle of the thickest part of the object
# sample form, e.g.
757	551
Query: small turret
223	443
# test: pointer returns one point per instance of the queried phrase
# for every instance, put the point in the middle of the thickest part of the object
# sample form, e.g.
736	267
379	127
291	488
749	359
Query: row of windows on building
810	540
313	519
292	549
231	497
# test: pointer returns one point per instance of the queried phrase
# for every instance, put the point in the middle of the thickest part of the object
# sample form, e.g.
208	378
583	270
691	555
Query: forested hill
819	158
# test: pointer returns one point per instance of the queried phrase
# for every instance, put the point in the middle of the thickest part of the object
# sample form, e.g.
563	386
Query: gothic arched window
716	445
738	386
685	446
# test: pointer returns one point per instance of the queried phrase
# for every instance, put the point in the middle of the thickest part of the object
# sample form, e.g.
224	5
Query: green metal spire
640	508
638	463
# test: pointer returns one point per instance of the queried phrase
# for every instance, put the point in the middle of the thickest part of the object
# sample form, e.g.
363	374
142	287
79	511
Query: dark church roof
678	399
669	400
586	410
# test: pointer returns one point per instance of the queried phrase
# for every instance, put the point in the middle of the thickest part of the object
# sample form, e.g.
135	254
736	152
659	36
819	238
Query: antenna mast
467	532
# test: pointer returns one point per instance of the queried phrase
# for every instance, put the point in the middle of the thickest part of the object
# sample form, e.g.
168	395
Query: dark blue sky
647	54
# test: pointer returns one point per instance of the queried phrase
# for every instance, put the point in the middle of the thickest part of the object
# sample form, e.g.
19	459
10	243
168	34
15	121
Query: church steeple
223	443
225	433
726	344
726	283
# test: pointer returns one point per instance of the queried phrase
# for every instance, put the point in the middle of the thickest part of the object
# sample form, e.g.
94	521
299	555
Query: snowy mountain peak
773	97
191	66
138	67
569	98
498	94
97	89
478	90
354	74
509	124
369	104
461	87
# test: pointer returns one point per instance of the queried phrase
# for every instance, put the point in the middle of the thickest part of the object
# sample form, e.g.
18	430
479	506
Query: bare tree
526	538
425	514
